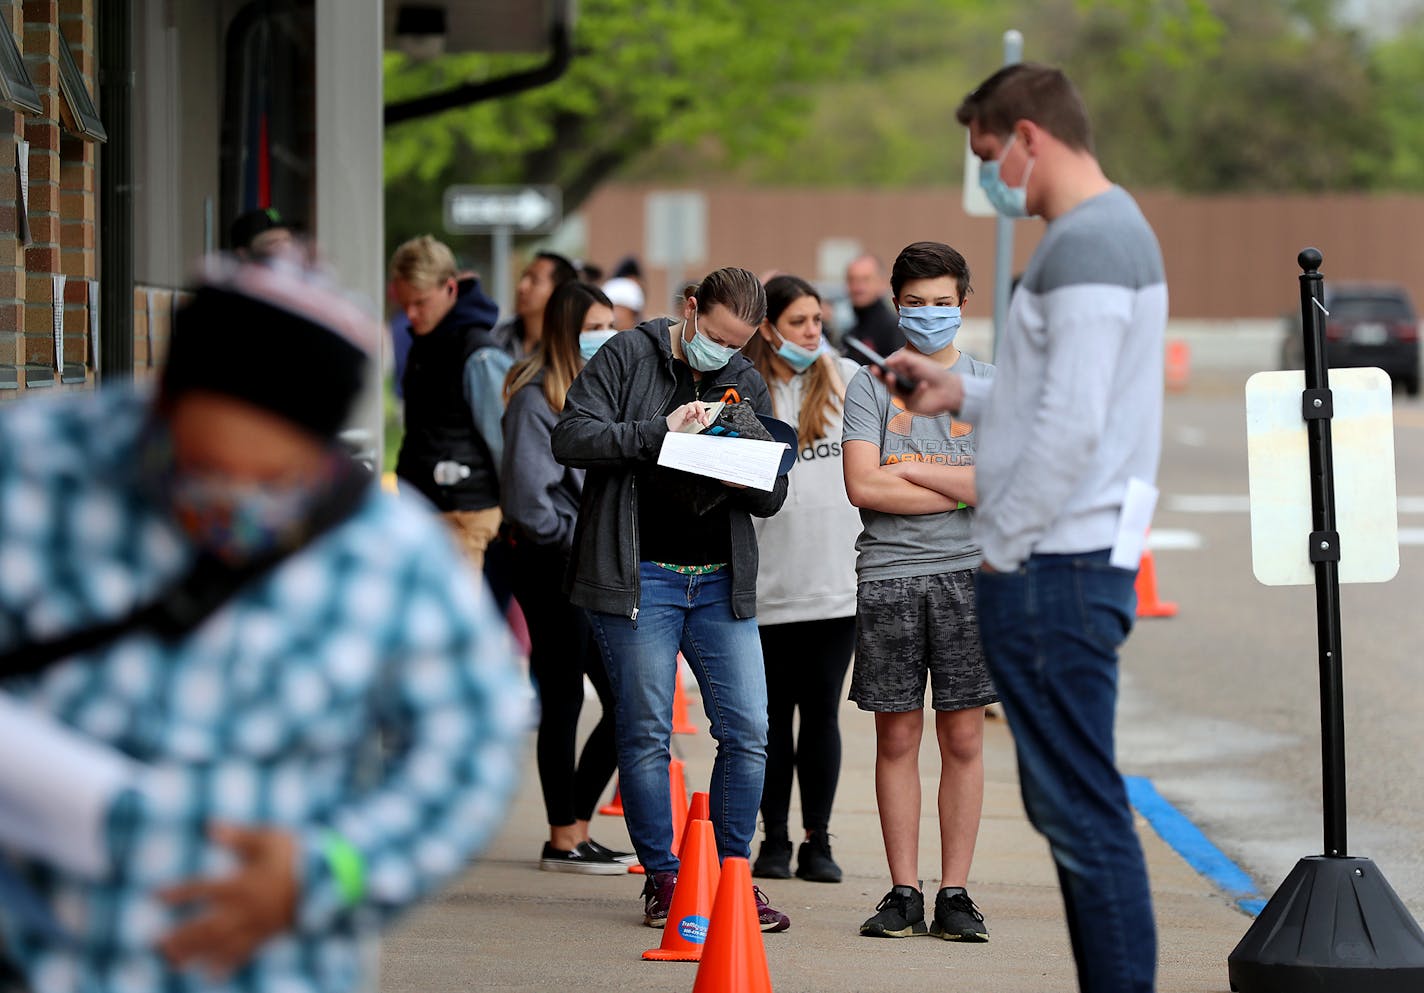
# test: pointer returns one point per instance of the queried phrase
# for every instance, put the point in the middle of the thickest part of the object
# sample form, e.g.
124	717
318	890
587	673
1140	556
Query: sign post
1334	925
501	212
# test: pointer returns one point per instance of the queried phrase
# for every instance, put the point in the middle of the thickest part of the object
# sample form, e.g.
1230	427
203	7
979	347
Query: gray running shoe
901	914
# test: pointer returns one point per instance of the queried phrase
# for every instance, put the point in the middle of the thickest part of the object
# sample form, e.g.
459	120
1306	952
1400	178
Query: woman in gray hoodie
540	500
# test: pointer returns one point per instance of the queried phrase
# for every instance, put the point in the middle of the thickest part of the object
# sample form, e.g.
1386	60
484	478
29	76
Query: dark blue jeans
692	614
1051	632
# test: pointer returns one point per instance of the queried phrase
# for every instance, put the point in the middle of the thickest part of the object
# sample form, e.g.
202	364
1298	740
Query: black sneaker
956	918
611	854
814	862
901	914
773	860
657	897
581	859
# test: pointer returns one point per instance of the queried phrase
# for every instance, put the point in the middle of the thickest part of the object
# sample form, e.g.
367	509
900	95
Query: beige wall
1226	256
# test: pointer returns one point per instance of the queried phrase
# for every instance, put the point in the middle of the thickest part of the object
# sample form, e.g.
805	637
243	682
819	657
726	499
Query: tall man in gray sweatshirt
1069	431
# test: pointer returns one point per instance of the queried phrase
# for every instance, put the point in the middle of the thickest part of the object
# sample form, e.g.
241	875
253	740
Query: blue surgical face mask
1010	201
798	358
928	329
704	354
592	341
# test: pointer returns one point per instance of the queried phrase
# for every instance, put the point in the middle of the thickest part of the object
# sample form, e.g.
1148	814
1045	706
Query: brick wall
61	208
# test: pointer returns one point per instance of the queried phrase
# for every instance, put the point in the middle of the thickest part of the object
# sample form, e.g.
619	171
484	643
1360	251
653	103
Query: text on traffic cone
691	912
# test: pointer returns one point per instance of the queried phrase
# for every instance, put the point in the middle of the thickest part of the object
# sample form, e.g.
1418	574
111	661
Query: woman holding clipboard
666	561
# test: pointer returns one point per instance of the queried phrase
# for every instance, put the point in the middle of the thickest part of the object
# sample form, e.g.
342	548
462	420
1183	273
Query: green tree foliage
1199	95
676	74
1280	99
1399	82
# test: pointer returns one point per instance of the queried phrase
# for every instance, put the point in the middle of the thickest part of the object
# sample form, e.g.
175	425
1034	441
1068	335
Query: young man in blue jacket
453	390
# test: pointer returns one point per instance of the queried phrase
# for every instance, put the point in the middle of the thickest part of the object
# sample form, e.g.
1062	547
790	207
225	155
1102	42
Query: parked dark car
1369	324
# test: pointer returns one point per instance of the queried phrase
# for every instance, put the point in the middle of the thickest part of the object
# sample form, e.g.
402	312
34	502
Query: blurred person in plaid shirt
267	835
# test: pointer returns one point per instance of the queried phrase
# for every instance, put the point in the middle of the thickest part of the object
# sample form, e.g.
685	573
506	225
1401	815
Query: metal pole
1317	409
1004	227
499	269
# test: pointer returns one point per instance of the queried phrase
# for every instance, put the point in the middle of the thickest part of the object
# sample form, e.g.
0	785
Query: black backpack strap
190	601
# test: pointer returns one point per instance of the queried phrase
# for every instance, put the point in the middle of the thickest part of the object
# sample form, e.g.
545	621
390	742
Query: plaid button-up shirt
266	715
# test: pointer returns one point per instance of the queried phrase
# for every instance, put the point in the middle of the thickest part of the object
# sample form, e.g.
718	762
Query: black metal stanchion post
1317	408
1335	925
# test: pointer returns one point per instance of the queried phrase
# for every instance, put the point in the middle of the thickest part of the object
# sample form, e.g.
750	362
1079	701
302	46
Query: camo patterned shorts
914	630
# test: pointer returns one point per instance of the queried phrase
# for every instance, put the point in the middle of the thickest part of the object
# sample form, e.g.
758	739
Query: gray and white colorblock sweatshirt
1075	409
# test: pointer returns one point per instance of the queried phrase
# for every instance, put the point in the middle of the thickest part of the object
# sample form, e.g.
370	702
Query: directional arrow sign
481	209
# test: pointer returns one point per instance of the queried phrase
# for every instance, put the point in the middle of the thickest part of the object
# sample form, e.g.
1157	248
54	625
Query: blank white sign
1366	515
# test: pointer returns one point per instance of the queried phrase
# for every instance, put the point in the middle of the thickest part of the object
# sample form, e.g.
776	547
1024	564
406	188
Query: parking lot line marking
1174	539
1195	848
1240	503
1209	503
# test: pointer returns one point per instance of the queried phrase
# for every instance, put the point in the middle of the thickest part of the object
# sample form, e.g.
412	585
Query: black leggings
562	650
806	665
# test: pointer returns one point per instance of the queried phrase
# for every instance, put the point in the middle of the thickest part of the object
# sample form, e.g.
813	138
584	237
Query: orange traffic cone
698	810
686	930
677	799
681	722
677	802
614	808
1147	603
733	959
1179	365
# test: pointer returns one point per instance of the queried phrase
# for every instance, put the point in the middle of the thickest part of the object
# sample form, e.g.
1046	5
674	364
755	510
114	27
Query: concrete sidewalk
507	926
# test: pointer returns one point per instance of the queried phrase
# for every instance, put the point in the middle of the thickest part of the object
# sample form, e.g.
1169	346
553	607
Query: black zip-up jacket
613	424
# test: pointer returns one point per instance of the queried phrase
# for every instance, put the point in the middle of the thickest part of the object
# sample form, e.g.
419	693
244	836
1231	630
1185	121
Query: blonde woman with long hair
540	499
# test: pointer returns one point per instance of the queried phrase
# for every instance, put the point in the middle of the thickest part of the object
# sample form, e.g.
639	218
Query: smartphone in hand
898	383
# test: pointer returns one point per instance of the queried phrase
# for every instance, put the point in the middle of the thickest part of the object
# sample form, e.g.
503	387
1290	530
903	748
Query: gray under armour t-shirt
893	546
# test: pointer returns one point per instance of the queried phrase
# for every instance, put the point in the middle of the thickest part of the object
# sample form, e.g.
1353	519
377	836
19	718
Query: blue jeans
1051	632
692	614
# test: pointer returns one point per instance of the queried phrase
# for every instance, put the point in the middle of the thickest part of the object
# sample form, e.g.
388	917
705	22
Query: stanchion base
1334	926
